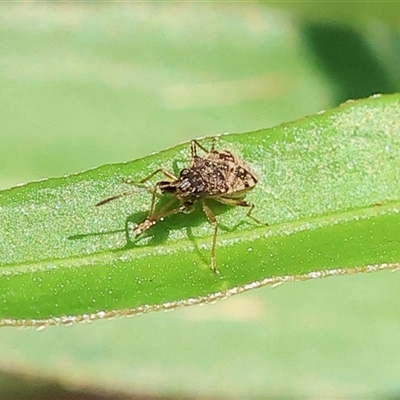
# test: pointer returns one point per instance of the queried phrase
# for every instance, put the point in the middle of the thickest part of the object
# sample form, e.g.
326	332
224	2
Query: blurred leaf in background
89	84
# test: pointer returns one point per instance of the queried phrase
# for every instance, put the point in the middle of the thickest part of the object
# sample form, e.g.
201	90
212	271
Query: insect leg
212	144
248	214
153	217
213	221
166	173
108	199
164	214
240	203
138	183
195	143
153	201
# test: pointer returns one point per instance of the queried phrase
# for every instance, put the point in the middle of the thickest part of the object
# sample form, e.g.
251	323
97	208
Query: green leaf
328	188
103	122
343	12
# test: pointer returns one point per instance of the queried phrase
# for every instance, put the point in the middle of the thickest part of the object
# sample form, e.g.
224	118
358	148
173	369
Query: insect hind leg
240	203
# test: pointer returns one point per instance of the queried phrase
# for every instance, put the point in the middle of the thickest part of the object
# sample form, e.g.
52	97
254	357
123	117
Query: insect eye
184	172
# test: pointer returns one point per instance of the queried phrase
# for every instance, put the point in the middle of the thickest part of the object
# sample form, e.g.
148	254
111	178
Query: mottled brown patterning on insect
217	175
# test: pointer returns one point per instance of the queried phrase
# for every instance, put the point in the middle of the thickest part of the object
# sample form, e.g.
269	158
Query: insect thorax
217	174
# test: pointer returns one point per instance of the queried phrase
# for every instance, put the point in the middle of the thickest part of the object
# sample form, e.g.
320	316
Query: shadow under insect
159	232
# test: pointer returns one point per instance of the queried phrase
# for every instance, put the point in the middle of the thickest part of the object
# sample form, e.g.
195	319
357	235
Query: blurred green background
88	84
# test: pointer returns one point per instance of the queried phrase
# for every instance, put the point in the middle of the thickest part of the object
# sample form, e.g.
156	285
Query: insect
216	175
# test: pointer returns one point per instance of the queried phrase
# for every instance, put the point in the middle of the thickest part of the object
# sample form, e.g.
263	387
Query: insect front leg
153	217
213	221
139	184
163	171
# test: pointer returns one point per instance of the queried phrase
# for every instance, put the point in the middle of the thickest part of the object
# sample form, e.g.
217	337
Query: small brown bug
218	175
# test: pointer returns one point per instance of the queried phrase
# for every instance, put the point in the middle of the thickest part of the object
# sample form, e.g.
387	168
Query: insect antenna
108	199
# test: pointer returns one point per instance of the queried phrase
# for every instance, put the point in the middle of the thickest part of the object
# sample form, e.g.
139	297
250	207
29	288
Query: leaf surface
329	190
